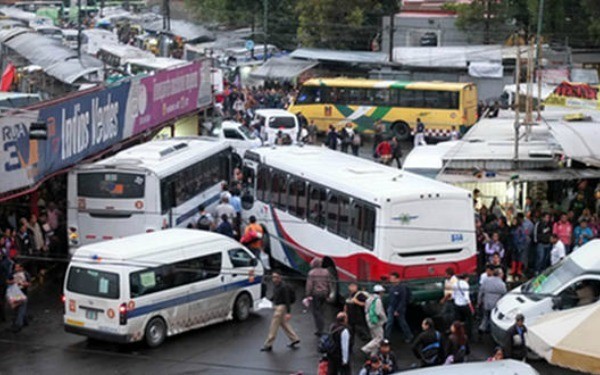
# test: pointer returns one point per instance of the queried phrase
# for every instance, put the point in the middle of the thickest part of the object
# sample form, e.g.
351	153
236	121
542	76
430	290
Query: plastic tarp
284	68
356	57
486	69
189	31
448	57
579	140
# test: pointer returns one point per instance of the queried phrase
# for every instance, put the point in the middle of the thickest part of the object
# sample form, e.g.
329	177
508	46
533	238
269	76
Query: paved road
227	348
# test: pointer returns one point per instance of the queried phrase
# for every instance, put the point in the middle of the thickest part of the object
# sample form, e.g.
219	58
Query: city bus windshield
110	185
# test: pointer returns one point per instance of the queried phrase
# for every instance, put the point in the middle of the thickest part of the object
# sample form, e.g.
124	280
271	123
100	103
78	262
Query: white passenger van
150	286
572	283
272	121
237	135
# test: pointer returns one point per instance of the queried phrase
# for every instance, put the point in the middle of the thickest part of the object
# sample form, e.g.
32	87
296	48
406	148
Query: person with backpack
398	304
252	237
457	346
376	319
339	353
283	297
428	345
317	289
204	220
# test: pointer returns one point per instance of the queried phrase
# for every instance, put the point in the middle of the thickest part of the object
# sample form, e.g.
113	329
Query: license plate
91	314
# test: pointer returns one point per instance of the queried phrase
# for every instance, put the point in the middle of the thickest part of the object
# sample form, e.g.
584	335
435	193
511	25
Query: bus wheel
156	332
401	130
241	308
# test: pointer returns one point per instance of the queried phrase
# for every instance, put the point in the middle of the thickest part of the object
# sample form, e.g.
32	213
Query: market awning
283	68
450	57
579	140
351	57
70	71
455	177
189	31
567	338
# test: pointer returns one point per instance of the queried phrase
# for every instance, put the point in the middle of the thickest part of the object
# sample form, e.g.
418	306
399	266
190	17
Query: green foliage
488	20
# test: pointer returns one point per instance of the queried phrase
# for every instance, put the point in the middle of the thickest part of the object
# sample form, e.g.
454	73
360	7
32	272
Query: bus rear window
94	283
282	122
110	185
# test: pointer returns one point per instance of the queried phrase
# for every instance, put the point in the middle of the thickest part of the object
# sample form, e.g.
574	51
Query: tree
486	20
328	24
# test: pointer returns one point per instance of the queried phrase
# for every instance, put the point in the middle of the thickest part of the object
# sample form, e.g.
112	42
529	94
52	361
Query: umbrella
569	338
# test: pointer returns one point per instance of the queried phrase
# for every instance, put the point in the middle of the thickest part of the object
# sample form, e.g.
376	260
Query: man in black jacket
428	345
339	357
397	305
282	313
543	231
514	344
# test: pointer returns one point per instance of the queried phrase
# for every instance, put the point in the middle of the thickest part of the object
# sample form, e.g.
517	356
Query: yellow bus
439	105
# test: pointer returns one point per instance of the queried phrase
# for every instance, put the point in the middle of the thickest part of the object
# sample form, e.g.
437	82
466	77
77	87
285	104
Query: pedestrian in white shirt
463	308
558	250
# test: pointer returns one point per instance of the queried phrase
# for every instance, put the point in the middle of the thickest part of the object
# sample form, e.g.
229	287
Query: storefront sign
85	124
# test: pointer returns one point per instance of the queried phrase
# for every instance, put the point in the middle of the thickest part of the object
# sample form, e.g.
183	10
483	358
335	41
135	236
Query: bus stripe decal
309	254
147	309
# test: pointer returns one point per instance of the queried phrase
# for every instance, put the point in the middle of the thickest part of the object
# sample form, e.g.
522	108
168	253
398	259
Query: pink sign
165	95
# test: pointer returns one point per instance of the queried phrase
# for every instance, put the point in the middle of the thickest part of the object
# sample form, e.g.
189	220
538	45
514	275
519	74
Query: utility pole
538	57
391	49
265	27
166	15
79	28
517	109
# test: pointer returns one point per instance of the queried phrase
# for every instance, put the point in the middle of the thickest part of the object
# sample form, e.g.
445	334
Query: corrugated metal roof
189	31
360	57
53	57
10	33
284	68
579	140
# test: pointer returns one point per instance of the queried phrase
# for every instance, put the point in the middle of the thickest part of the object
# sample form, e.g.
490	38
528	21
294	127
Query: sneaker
292	345
266	349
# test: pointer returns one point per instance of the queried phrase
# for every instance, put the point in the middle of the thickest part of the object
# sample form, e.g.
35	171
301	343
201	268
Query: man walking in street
420	134
490	292
355	309
376	319
312	132
339	357
463	308
396	312
317	289
396	152
282	314
253	235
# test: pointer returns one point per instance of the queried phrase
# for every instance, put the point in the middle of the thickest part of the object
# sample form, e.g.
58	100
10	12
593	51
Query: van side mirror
557	303
253	262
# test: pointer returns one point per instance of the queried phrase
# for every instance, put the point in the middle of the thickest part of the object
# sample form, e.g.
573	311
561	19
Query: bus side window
262	184
332	213
316	203
278	190
362	223
292	196
368	238
343	217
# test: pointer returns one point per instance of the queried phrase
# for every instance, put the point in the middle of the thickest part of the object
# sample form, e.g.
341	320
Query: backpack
430	354
204	223
327	344
373	317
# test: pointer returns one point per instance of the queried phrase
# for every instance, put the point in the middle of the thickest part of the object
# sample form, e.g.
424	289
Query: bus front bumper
98	335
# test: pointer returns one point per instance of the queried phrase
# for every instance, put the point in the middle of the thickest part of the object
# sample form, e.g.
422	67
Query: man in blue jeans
543	231
396	311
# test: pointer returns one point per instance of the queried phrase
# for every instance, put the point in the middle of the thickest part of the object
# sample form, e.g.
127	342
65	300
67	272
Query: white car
238	136
507	366
573	282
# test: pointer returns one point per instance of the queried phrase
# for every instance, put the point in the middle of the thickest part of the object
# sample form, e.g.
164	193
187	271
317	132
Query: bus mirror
247	201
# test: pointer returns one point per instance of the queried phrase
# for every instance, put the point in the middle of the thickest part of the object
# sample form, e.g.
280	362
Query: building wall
408	32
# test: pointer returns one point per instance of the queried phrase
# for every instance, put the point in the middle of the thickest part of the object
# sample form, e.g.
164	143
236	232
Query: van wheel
156	332
401	130
242	306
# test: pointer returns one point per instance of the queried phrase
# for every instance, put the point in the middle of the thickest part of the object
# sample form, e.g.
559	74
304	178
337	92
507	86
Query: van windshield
282	122
548	282
94	283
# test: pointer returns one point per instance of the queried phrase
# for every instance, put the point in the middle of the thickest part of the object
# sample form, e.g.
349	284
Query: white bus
363	219
154	285
149	187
